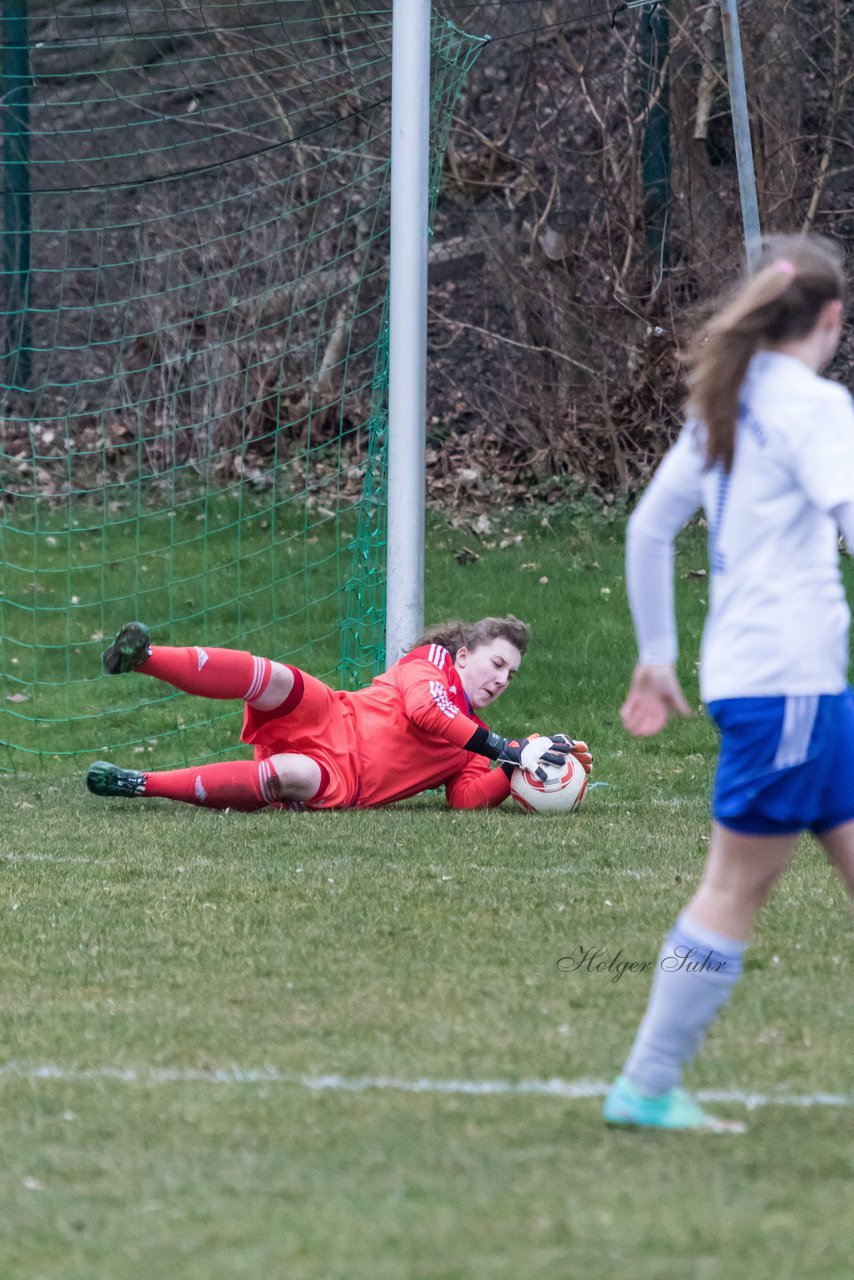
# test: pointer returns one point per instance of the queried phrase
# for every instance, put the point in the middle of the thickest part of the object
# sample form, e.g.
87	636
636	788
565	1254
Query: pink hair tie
785	265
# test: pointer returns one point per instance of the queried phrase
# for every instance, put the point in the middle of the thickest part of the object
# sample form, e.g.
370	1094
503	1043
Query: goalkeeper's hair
455	635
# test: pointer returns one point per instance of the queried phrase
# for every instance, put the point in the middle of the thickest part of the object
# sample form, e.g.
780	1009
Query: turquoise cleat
129	649
625	1107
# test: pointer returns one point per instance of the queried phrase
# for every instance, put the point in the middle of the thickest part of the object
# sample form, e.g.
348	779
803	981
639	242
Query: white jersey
778	618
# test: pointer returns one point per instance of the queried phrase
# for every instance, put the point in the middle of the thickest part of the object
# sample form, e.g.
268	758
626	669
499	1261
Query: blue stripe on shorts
786	764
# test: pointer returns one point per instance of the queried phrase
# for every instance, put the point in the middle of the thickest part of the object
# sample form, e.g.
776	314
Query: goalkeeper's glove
577	748
528	754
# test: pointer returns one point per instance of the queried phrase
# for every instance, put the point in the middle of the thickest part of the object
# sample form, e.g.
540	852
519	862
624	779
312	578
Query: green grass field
252	570
209	1019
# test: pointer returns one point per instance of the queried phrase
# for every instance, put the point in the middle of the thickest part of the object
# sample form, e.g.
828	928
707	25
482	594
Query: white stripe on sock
257	680
265	779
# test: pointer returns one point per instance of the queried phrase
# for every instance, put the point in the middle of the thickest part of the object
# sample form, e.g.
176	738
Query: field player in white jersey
768	452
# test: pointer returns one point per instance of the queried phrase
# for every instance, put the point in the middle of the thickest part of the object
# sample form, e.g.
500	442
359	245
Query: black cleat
129	649
105	779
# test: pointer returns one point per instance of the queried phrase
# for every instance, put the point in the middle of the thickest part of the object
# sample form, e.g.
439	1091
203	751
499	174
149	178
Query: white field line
50	857
554	1088
95	862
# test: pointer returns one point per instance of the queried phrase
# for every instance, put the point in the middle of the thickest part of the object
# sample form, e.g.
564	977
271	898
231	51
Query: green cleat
626	1107
105	779
129	649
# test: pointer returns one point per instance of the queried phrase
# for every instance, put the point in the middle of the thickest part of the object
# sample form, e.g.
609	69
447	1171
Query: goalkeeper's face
487	670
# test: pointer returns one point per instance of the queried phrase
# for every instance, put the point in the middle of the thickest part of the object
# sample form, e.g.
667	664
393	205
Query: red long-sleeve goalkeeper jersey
412	725
404	734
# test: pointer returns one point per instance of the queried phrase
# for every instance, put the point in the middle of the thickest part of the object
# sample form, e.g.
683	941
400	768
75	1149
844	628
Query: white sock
696	972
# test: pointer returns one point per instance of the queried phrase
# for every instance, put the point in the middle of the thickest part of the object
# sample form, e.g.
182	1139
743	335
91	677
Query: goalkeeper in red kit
414	728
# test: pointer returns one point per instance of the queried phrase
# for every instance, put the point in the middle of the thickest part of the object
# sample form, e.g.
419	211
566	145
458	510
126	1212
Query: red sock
235	784
210	673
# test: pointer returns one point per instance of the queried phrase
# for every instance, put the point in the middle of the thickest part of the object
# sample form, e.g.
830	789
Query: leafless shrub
209	212
209	254
592	172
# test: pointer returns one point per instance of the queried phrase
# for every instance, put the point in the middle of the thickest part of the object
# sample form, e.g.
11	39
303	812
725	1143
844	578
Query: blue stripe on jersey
716	556
746	418
750	420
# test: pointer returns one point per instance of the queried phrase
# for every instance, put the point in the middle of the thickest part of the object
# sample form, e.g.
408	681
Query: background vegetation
591	189
208	195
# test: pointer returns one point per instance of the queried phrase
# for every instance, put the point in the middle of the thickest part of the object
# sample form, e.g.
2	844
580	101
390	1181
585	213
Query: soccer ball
561	792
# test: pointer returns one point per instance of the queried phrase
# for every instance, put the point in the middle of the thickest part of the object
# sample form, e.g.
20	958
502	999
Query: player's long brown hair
454	635
798	275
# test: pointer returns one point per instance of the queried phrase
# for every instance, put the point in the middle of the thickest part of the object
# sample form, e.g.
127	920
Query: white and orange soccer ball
561	791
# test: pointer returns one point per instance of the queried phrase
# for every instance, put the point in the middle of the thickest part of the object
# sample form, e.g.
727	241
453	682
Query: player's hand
575	747
654	695
532	753
529	753
538	750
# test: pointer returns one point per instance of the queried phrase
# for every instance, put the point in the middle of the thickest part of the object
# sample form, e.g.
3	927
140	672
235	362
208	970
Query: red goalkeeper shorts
313	721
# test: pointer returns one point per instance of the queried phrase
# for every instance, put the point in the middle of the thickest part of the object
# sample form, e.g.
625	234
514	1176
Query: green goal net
195	203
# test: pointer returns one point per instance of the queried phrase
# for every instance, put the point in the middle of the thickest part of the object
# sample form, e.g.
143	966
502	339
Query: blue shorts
786	764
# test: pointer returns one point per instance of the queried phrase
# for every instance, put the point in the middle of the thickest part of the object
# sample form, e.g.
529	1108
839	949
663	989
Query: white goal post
410	125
